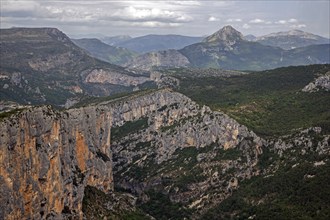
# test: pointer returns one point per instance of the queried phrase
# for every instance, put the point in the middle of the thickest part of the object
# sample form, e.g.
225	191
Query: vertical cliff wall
47	158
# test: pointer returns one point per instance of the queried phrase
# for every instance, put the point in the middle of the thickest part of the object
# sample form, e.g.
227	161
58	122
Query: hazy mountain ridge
291	39
250	37
227	49
114	40
105	52
150	43
244	55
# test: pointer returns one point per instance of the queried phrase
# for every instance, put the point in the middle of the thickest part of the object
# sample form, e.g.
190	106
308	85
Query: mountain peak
227	34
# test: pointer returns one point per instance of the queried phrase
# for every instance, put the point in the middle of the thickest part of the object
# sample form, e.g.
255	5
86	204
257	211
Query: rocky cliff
164	147
187	152
47	159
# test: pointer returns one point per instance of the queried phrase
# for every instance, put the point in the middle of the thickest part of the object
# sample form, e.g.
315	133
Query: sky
98	18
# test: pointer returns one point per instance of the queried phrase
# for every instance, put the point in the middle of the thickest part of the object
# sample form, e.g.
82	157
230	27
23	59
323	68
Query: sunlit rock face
47	159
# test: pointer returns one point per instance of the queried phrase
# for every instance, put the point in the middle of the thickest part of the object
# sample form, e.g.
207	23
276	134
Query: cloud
281	22
97	11
153	14
21	9
153	24
257	21
292	20
297	26
234	20
186	3
18	6
212	18
246	26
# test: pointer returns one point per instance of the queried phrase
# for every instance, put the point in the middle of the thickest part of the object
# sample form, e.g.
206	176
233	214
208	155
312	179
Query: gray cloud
150	14
212	18
162	17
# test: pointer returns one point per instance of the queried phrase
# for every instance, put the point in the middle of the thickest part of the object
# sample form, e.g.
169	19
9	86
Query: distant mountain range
165	58
114	40
43	66
151	43
289	39
228	49
250	37
105	52
158	51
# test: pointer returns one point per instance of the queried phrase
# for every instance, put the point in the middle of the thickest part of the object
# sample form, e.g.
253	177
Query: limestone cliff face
188	152
47	158
112	77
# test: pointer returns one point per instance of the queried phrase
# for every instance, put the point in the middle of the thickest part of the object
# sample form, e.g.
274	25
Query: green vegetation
229	154
269	102
95	206
105	52
301	192
267	158
89	100
161	207
129	127
138	172
4	115
142	145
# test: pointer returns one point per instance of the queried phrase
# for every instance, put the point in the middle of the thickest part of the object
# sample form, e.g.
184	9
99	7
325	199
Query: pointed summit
227	35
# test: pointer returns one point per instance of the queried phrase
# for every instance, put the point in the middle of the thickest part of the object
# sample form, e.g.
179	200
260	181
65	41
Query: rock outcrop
105	76
320	83
47	159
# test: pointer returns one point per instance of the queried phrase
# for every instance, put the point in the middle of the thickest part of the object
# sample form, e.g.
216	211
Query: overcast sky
194	18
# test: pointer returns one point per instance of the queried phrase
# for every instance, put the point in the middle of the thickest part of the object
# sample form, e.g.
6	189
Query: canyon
194	155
